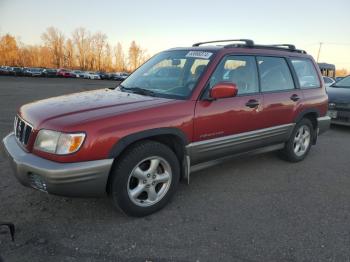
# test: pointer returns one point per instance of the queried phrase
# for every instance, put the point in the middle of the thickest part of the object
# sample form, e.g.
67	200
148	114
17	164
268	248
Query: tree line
82	50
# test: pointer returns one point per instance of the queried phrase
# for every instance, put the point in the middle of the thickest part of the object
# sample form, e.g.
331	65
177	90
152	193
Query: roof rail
283	47
248	42
291	47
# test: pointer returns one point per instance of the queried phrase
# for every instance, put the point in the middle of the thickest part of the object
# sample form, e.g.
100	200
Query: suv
136	142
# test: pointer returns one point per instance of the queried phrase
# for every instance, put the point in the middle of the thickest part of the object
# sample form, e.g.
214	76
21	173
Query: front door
227	125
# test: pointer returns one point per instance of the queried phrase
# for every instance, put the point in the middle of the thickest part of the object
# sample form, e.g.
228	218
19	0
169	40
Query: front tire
144	179
300	141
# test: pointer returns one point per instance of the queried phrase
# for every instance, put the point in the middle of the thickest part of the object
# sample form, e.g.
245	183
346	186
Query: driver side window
240	70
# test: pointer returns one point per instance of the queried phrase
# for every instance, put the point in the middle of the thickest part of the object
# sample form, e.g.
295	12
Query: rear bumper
323	124
83	179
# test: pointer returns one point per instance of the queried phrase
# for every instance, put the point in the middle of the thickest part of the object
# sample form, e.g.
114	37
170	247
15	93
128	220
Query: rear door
282	98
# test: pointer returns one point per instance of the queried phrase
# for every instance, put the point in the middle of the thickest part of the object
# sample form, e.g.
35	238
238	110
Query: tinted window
345	82
240	70
327	80
274	74
306	73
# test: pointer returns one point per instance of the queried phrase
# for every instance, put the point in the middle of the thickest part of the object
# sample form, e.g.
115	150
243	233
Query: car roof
248	46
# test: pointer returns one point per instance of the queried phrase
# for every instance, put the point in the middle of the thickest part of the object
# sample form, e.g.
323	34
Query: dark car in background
339	102
33	71
16	71
4	70
339	78
103	75
48	72
118	76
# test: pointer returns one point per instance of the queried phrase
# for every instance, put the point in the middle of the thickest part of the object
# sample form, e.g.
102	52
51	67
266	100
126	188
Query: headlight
58	143
331	105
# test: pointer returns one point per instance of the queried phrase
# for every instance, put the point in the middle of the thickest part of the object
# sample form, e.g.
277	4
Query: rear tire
144	178
300	141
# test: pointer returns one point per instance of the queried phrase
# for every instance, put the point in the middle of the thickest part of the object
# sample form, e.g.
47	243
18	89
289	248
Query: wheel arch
312	115
174	138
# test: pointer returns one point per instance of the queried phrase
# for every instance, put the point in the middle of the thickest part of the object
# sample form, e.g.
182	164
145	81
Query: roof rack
281	47
248	42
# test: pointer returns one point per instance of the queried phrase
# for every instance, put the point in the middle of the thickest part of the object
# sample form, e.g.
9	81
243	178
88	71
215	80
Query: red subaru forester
183	107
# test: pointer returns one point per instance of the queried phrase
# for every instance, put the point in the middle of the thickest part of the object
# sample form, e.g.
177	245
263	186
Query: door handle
252	103
294	97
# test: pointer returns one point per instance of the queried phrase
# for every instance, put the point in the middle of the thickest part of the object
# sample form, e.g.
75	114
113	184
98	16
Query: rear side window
274	74
306	73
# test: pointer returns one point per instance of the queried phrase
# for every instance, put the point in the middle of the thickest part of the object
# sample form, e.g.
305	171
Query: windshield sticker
199	54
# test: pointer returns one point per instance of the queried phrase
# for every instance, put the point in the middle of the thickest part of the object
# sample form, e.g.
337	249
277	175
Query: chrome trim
210	149
24	131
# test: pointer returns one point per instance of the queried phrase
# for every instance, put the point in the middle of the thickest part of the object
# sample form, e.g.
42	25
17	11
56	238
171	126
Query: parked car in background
19	71
33	71
119	76
4	70
78	73
339	102
136	142
103	75
328	81
92	75
338	78
65	73
49	72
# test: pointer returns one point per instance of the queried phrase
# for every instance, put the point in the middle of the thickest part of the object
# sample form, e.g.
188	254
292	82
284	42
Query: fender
124	142
307	111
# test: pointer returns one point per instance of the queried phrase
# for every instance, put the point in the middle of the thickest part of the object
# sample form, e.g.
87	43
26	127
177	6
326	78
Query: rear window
306	73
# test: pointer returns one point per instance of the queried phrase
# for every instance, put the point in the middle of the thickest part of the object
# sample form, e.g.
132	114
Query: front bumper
82	179
342	117
323	124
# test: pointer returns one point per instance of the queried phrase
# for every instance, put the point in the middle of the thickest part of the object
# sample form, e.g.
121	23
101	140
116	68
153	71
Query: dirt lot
249	209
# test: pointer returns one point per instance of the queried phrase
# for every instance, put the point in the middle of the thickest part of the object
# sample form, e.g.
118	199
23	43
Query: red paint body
106	116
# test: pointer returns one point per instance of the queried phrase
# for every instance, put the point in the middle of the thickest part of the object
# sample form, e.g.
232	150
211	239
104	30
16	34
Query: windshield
170	74
345	82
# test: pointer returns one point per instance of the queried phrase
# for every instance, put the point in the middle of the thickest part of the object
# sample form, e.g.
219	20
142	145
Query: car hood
84	106
338	94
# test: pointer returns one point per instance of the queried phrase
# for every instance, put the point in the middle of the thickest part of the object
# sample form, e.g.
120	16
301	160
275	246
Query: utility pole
319	51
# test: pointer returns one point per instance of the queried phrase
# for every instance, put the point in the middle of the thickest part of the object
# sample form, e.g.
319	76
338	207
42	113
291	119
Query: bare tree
82	41
107	58
54	40
9	52
69	54
99	41
136	56
120	63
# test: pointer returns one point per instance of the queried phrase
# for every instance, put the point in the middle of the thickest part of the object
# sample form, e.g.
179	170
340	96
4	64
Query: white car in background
78	73
328	81
91	75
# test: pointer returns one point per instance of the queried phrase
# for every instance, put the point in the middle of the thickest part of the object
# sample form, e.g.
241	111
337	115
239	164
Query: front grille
22	130
343	106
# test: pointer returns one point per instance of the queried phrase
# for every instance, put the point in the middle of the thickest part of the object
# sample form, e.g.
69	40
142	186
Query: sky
160	24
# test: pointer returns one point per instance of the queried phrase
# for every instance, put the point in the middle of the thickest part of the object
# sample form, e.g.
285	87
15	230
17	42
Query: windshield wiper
138	90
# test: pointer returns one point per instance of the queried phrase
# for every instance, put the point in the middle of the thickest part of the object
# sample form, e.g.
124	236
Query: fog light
37	182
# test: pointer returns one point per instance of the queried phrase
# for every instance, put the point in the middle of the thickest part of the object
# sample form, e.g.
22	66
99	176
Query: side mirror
223	90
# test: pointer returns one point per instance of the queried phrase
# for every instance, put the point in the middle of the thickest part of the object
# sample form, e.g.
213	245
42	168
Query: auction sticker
199	54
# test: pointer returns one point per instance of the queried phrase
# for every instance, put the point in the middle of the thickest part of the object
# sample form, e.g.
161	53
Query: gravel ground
257	208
